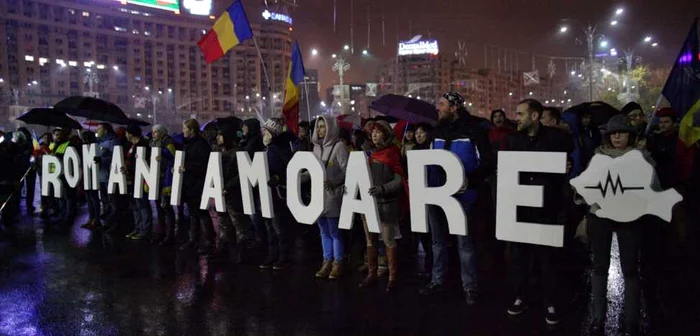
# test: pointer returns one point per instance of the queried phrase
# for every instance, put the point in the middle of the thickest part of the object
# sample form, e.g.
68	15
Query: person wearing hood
141	207
279	153
389	188
92	196
233	218
193	172
164	232
252	142
333	154
619	139
106	140
409	139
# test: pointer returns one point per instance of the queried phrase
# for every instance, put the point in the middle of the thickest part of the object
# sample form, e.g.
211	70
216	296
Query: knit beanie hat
273	126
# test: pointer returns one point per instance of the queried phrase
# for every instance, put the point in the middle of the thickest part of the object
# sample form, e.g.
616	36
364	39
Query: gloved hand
98	160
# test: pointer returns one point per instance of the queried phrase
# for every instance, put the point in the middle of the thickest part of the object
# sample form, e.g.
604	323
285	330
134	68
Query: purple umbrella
401	107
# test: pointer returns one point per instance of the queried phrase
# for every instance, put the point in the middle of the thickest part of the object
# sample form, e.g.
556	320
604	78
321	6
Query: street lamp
647	39
116	67
604	43
613	22
365	52
563	29
619	11
346	47
314	52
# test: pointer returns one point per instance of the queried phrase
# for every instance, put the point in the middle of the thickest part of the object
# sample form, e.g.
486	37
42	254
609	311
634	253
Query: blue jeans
467	251
331	239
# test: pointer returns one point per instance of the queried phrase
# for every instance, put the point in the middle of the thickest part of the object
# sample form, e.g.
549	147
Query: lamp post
91	79
341	66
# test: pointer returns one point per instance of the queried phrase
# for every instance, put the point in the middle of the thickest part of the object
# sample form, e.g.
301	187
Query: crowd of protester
475	141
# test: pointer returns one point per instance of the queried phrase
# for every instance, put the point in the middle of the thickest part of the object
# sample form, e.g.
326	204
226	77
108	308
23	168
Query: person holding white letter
459	132
532	136
389	188
333	153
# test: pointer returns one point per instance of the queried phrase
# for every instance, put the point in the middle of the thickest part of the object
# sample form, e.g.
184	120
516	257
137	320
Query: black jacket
547	139
229	166
252	142
663	150
469	127
196	159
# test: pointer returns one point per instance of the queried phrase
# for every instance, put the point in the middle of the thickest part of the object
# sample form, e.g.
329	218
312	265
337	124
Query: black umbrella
49	117
401	107
600	112
93	108
133	121
212	127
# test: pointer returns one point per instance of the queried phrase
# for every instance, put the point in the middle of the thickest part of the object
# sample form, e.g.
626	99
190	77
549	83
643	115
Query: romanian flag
229	30
687	131
295	75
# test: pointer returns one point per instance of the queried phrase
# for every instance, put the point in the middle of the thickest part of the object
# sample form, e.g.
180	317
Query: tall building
141	56
419	70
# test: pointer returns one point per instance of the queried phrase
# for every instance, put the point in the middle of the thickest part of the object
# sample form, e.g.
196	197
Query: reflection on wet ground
79	282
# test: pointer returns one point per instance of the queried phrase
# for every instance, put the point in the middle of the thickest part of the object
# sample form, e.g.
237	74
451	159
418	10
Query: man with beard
460	133
532	136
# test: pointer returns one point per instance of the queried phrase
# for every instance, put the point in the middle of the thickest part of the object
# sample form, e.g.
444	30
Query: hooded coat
229	166
333	154
196	159
387	174
252	142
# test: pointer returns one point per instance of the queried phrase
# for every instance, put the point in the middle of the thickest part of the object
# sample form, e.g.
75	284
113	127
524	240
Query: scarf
391	156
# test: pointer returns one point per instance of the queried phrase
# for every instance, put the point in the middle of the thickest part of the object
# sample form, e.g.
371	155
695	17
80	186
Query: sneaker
471	297
133	233
432	289
517	308
552	316
267	264
280	265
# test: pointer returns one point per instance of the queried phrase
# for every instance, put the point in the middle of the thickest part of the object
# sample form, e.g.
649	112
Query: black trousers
525	255
629	239
31	187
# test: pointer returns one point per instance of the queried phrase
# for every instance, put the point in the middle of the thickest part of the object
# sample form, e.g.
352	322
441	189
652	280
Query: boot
325	269
632	305
393	263
372	266
337	270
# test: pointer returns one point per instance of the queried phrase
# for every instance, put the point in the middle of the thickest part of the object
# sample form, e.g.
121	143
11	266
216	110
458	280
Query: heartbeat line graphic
613	185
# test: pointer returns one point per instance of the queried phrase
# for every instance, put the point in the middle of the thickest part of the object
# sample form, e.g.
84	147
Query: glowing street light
563	29
613	23
365	52
346	47
573	73
647	39
604	43
619	11
334	55
314	52
115	68
170	90
147	88
654	44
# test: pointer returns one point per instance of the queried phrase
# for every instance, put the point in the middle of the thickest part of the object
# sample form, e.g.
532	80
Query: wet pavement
74	281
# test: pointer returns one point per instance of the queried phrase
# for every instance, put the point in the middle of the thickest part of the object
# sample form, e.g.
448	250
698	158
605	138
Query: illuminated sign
170	5
267	15
418	47
198	7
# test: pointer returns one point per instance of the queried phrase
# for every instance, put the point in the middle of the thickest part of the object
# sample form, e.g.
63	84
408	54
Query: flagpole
267	78
306	90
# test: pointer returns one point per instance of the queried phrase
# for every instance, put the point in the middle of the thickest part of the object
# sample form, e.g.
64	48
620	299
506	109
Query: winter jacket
167	161
547	139
333	154
390	184
663	149
196	159
279	153
252	142
466	138
105	148
130	158
229	166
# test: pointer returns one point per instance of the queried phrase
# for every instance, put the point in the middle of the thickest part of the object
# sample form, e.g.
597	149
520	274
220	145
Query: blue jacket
105	147
469	141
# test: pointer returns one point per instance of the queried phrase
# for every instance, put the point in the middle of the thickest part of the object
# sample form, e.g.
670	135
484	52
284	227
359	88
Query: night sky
526	25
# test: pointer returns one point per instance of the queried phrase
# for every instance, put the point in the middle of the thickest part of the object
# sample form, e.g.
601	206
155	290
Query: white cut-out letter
71	163
251	175
511	194
90	168
176	187
307	214
149	174
213	184
358	180
116	177
420	195
50	176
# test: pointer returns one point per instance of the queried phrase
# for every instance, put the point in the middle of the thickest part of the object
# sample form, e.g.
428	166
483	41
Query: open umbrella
600	112
49	117
133	121
93	108
401	107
